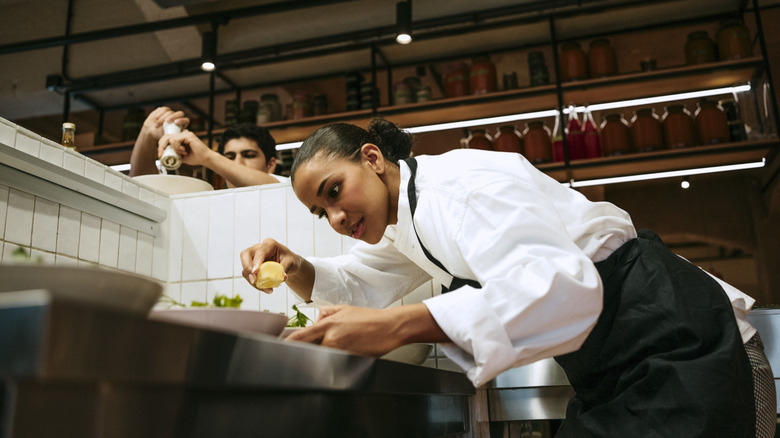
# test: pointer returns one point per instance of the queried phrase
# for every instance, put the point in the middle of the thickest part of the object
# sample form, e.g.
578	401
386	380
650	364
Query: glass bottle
679	131
574	135
615	135
69	135
712	125
557	139
591	136
646	130
508	140
479	139
536	142
736	125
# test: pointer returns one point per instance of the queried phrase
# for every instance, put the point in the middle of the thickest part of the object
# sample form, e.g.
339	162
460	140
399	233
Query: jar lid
600	42
68	125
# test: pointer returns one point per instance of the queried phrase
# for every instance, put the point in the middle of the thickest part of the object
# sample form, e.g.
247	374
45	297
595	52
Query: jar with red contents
646	130
482	75
479	139
712	125
601	59
615	135
508	140
456	80
679	130
573	62
536	142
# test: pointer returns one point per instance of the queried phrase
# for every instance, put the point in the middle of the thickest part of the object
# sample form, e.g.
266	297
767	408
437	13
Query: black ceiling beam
220	16
350	41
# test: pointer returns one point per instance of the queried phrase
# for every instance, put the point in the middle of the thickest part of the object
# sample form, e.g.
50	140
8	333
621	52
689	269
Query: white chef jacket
494	218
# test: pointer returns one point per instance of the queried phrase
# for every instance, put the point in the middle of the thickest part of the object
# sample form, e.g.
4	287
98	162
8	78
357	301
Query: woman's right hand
267	250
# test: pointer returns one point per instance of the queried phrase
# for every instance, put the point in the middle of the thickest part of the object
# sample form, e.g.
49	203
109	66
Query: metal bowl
93	286
227	319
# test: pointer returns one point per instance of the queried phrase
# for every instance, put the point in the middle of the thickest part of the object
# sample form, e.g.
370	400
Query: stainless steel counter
91	372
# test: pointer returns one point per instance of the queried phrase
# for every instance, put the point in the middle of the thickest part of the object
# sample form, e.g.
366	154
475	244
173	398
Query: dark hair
258	134
343	140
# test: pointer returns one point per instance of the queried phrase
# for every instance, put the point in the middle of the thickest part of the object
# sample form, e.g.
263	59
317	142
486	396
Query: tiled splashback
196	249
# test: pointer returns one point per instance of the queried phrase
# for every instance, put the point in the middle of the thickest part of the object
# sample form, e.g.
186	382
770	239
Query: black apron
665	358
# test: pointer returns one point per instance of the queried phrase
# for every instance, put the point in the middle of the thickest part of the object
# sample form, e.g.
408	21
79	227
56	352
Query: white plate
174	184
234	320
116	290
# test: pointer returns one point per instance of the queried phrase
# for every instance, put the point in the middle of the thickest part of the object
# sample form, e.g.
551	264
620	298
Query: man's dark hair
258	134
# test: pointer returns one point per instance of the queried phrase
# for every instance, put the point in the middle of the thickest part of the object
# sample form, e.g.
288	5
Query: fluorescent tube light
121	167
668	174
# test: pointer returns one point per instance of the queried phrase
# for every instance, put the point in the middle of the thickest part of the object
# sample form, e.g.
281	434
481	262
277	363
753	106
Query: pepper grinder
170	159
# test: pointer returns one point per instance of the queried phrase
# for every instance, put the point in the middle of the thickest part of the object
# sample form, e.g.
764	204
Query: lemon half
270	275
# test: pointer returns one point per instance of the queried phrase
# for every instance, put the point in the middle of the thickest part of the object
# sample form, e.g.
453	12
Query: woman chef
652	345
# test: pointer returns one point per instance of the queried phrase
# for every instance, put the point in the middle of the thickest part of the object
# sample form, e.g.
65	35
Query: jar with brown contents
646	131
536	142
679	131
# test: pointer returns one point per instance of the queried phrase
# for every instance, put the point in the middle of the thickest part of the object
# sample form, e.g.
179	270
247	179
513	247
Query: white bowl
410	353
228	319
174	184
94	286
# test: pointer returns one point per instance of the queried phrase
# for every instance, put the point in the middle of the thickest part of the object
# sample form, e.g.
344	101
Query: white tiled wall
63	235
196	253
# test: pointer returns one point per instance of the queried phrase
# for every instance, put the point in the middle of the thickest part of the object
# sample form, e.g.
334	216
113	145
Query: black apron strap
412	194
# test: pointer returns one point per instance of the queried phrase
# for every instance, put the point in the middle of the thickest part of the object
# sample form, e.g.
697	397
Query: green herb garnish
19	255
218	301
299	319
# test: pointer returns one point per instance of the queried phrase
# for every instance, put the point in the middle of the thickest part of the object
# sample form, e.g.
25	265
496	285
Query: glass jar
301	107
479	139
232	108
319	104
536	142
573	63
700	48
646	130
69	136
271	101
679	130
601	59
736	125
733	39
537	70
508	140
615	135
456	80
482	75
712	125
402	94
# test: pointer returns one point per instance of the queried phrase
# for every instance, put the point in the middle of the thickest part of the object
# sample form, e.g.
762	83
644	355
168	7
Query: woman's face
351	195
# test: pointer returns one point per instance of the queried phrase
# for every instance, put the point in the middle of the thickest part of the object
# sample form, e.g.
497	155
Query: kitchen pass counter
69	369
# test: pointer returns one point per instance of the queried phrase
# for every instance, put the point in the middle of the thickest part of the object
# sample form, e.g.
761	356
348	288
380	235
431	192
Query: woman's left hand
371	332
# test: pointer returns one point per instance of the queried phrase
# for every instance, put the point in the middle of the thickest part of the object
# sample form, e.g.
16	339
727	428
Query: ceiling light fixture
208	54
403	22
685	183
